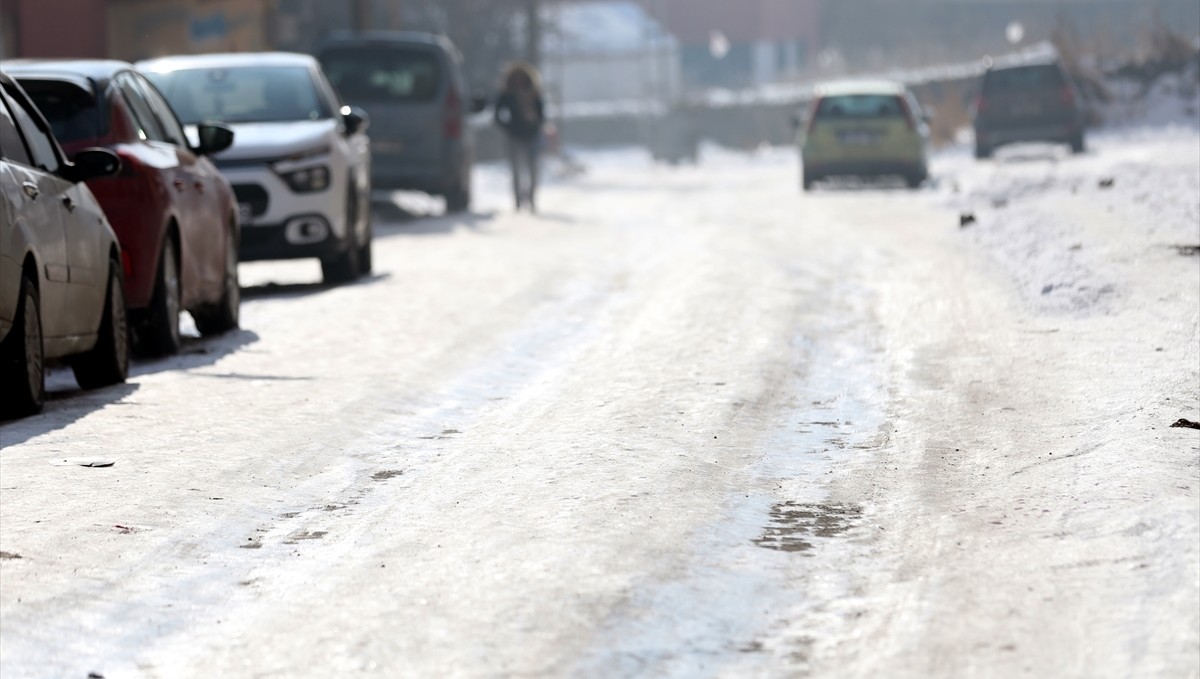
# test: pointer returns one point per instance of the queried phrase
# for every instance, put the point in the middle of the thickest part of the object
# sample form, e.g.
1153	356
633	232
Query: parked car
411	84
300	164
173	212
866	129
1027	102
61	276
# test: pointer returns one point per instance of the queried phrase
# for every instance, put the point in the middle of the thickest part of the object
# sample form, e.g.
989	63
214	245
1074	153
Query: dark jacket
510	116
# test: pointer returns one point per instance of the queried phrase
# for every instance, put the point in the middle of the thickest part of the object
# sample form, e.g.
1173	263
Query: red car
173	212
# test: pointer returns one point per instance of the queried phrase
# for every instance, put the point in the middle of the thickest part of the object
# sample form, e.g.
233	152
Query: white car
62	292
300	164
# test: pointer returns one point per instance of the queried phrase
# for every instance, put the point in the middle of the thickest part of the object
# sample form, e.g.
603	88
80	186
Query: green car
864	129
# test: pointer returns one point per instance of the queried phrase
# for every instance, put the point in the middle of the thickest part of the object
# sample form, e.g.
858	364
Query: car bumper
864	168
278	223
397	173
1042	132
281	241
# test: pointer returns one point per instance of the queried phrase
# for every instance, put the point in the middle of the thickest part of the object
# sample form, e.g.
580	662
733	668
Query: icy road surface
684	423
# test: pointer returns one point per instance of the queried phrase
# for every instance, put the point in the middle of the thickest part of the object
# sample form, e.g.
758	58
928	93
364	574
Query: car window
382	74
860	106
1029	77
246	94
39	144
12	146
71	111
163	113
143	117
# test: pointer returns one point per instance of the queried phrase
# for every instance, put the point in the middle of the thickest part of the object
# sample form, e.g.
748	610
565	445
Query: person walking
520	113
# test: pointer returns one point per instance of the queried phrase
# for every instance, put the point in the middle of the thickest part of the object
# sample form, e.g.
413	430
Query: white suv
300	164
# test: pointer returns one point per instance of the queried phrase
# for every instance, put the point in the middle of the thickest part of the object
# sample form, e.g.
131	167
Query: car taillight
1067	95
908	114
452	115
812	115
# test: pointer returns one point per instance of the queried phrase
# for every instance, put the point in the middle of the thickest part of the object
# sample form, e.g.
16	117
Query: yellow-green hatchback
864	129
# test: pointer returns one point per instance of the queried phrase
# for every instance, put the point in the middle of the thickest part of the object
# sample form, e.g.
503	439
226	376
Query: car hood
271	141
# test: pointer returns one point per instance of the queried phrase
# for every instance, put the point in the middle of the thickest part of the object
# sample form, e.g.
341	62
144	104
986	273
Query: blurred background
666	73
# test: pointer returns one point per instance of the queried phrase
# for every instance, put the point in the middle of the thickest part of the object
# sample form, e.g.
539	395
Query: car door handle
68	203
180	184
199	186
31	190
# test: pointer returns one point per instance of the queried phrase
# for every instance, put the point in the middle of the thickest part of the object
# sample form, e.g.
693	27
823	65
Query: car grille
254	196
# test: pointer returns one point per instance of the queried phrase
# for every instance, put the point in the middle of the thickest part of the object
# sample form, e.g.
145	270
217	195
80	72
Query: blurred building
133	29
607	51
742	43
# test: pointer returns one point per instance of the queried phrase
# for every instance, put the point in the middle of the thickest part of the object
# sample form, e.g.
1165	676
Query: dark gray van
411	85
1027	102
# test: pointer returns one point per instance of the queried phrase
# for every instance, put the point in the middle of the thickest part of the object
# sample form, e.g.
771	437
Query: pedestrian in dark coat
520	112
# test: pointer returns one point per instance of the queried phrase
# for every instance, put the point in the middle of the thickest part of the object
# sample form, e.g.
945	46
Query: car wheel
345	266
458	198
982	152
108	362
1077	144
364	254
214	319
808	180
22	363
914	181
158	334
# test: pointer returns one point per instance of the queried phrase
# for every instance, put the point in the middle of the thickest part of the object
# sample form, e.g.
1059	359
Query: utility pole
361	15
533	21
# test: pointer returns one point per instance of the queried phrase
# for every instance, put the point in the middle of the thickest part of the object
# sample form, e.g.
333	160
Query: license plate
245	213
858	138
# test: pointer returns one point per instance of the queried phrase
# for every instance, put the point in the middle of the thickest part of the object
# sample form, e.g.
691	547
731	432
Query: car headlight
308	180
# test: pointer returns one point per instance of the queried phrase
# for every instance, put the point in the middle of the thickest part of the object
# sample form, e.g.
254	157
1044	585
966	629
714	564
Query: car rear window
1024	78
383	74
71	110
244	94
860	106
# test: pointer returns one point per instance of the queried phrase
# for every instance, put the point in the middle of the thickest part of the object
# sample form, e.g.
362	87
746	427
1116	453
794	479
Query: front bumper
278	223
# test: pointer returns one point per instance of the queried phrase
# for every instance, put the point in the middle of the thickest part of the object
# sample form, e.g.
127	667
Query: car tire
1078	145
458	198
914	181
982	152
365	262
22	361
345	266
107	363
808	180
223	315
158	333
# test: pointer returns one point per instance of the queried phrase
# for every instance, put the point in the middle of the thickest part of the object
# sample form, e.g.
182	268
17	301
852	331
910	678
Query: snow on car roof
226	60
848	87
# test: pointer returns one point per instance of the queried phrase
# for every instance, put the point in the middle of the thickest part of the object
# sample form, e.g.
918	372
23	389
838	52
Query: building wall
64	28
139	29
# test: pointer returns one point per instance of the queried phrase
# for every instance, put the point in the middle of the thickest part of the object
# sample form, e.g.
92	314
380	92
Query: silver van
411	85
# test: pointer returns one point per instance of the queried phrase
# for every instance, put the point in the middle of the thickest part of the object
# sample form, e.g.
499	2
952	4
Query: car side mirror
355	119
91	163
478	103
213	138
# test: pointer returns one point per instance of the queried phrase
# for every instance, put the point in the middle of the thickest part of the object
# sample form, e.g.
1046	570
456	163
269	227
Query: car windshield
251	94
382	73
71	111
1026	78
860	106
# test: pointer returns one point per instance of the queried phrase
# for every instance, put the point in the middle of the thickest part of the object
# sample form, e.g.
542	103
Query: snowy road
686	422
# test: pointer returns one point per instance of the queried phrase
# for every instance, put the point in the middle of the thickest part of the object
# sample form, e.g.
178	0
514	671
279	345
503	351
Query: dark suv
411	84
1027	103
